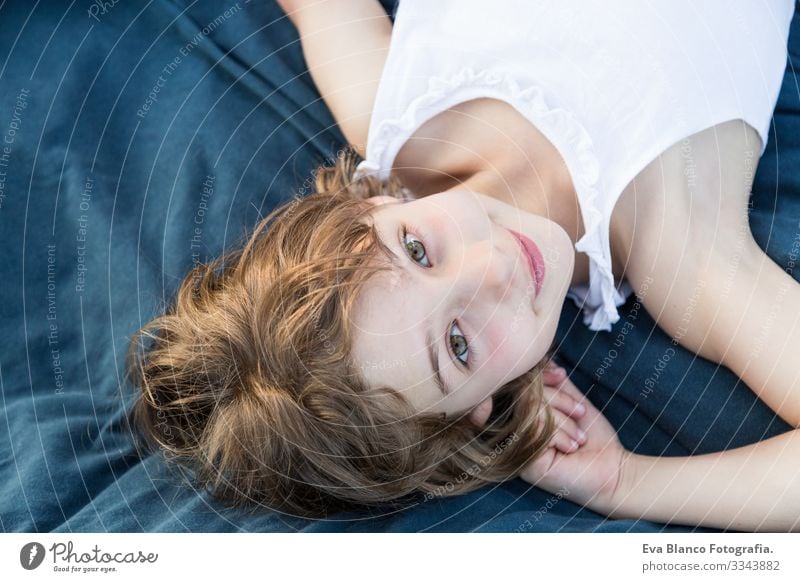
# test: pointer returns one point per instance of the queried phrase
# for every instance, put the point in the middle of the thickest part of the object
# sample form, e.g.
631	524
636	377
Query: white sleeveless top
611	84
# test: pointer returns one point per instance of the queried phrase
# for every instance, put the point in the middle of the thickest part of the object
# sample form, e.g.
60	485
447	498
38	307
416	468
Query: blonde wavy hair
247	378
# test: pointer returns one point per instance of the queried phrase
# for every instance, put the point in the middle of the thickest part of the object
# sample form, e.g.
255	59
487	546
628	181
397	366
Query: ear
480	414
378	200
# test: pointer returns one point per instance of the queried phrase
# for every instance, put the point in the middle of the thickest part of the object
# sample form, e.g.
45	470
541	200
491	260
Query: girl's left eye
415	248
459	342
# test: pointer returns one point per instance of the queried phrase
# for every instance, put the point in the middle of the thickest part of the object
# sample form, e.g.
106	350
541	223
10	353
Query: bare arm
703	278
702	275
751	488
738	308
345	43
734	305
757	330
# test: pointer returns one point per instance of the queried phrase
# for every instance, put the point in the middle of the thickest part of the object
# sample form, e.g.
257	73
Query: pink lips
534	258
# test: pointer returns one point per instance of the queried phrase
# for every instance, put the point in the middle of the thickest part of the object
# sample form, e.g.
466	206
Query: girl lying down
390	336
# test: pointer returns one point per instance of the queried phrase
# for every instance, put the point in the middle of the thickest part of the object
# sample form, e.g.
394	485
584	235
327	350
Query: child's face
461	274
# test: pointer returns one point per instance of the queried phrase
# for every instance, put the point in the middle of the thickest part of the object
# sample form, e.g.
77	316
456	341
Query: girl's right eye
415	248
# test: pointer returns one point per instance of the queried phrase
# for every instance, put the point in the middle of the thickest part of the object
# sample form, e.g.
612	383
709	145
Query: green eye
416	250
459	344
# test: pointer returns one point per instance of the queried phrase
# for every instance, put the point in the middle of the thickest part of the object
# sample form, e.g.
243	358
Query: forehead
382	302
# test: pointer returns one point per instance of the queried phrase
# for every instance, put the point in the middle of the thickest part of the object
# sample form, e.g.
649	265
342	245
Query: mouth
533	257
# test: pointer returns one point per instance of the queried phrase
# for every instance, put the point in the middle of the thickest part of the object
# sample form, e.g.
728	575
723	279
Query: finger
568	426
591	414
561	400
568	387
551	365
562	442
554	377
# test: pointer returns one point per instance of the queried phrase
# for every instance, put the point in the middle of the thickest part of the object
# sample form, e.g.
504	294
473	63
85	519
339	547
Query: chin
559	258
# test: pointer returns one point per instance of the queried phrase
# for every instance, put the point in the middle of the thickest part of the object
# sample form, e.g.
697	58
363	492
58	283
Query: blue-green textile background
114	121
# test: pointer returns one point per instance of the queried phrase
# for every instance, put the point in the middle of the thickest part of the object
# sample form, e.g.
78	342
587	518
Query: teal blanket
139	138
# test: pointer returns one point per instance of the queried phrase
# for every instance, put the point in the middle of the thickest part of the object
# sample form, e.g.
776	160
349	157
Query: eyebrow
433	347
433	355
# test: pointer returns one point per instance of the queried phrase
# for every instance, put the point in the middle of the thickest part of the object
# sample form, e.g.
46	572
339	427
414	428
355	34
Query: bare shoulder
681	226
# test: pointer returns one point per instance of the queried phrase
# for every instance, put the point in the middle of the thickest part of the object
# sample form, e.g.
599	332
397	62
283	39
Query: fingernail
574	444
580	408
581	435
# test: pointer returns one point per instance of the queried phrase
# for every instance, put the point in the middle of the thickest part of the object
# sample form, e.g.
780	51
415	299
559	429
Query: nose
482	273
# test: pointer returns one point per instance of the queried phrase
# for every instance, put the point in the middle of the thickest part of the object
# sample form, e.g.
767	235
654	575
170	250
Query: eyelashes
420	252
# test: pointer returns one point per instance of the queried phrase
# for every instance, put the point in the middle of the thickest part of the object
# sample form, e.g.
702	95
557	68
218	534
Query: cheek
513	345
505	344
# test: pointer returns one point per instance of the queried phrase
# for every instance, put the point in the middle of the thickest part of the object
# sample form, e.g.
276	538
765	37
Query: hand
566	409
590	475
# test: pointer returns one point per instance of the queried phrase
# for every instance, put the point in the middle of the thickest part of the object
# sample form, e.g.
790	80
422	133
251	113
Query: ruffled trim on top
559	125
